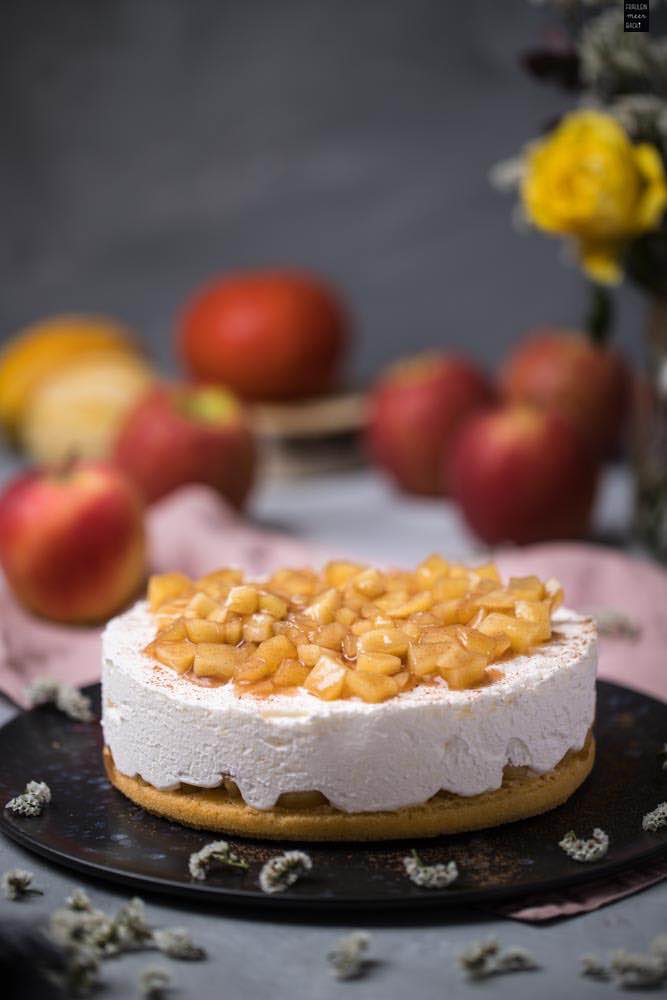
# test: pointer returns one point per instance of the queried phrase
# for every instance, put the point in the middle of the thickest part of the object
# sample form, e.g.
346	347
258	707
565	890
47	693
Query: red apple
187	434
564	371
414	411
522	475
268	335
72	542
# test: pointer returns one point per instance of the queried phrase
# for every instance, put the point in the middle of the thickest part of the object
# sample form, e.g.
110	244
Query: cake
349	703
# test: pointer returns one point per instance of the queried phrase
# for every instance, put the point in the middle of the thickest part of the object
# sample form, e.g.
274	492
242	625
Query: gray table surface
255	957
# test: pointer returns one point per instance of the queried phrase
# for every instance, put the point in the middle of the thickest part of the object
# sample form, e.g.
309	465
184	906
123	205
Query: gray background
149	143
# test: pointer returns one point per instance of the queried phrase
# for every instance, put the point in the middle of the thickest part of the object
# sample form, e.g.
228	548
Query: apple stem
600	315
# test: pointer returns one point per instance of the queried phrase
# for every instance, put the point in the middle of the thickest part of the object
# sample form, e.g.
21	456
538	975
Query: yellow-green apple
521	474
72	541
414	411
268	335
180	434
565	371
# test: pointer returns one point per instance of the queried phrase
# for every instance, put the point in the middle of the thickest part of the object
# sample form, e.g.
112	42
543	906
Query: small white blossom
154	982
485	958
176	942
656	819
78	900
219	852
31	802
637	971
281	872
592	849
66	698
348	956
593	967
17	883
430	876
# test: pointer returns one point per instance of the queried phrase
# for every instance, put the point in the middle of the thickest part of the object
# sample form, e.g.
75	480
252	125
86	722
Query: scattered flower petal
656	819
348	956
219	852
67	699
17	883
154	981
176	942
31	802
281	872
592	849
430	876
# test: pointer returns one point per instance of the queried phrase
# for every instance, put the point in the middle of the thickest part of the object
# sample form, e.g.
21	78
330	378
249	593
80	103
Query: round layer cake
427	761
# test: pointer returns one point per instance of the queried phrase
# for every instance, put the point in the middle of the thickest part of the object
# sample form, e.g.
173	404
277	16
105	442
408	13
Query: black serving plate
92	828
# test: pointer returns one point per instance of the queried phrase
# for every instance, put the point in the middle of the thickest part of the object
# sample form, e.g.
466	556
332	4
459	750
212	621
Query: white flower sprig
18	883
656	819
176	942
592	849
630	970
217	852
154	982
67	699
485	958
31	802
430	876
281	872
348	958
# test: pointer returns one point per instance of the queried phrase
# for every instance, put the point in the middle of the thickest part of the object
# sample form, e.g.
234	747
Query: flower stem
600	316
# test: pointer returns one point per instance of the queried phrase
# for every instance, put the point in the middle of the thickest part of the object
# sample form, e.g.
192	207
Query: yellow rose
586	180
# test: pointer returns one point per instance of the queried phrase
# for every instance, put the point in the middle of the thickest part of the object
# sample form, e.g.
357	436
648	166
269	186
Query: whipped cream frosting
363	757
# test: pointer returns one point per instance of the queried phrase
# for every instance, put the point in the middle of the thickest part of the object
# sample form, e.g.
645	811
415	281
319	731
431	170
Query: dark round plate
92	828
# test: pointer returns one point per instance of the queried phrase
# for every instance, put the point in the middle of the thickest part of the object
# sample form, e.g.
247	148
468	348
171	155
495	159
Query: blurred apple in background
414	412
267	335
72	541
564	371
522	475
40	350
187	434
78	409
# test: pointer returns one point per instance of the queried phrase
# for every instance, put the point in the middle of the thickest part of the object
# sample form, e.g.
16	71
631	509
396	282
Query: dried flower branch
67	699
218	852
31	802
154	981
18	883
430	876
281	872
484	958
592	849
656	819
176	942
348	958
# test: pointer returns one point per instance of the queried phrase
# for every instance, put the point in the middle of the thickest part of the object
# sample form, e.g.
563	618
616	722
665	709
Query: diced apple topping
351	631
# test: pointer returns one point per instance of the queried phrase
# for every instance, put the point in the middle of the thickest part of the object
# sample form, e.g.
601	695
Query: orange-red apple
522	475
268	335
187	434
72	541
414	412
564	371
